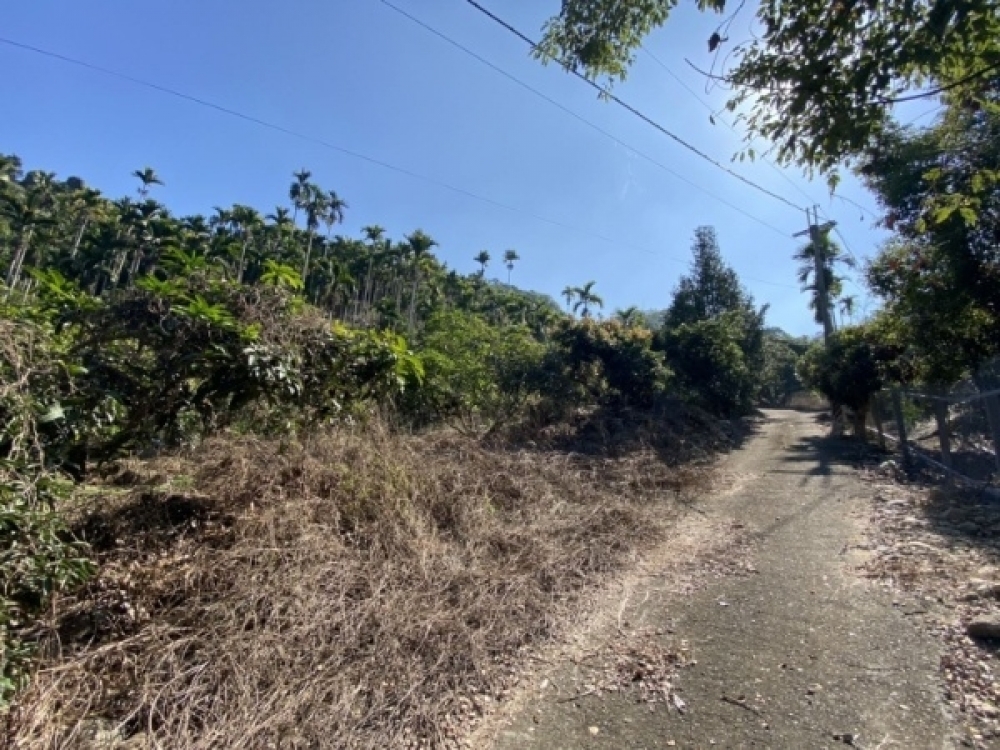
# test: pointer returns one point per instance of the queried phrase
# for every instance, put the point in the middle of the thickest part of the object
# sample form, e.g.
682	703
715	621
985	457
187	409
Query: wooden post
877	418
897	408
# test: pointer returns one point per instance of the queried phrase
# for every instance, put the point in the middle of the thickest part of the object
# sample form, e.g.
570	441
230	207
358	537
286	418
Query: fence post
897	408
877	417
944	435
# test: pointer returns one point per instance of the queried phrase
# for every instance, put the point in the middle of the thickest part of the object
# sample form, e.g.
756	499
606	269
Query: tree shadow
677	432
966	516
815	457
150	520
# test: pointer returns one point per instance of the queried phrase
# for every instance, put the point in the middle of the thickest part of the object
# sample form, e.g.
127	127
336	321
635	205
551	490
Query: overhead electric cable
715	116
580	117
607	93
339	149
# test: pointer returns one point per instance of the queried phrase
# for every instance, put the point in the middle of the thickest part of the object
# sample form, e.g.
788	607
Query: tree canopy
712	334
939	277
710	288
818	79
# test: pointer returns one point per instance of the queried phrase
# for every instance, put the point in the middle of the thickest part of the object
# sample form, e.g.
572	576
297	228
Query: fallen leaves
938	551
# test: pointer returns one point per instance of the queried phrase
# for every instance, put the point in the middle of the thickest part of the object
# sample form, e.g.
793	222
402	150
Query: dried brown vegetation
350	591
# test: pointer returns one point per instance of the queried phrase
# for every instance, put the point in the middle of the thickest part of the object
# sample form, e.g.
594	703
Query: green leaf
969	215
54	413
942	214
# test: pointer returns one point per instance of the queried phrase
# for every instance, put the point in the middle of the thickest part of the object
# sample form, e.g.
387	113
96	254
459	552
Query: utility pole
817	237
817	233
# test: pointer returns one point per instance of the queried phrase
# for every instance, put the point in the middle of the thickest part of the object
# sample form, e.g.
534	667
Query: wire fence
956	429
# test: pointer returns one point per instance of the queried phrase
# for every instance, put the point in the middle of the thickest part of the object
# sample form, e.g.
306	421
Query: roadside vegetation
264	481
262	484
938	278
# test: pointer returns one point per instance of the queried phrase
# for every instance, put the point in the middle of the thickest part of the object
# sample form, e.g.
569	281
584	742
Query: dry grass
350	592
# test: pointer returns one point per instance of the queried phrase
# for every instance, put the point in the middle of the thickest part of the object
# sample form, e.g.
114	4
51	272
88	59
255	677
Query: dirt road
792	648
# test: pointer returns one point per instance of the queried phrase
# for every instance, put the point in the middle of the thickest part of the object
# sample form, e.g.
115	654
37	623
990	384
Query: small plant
37	558
37	554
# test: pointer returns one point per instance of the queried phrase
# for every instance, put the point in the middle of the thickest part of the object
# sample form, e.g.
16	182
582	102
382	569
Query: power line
579	117
941	89
843	241
856	205
716	116
339	149
922	115
608	94
850	253
729	125
916	119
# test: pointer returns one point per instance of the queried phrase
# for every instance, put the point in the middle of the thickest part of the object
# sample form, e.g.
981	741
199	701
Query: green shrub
852	367
37	554
477	376
37	558
711	367
604	362
172	361
779	378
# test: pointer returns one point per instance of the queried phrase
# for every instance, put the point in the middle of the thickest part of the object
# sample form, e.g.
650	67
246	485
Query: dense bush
779	378
852	367
477	376
711	365
713	335
173	360
604	362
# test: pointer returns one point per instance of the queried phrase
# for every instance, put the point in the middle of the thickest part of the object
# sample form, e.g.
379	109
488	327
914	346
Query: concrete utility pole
816	233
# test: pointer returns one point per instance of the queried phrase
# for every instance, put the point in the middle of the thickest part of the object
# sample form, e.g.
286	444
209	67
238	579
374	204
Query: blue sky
356	74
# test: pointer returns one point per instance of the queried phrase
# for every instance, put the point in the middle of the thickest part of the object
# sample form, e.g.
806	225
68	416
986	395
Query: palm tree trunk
79	238
305	263
14	273
119	266
120	257
369	289
243	260
413	300
133	270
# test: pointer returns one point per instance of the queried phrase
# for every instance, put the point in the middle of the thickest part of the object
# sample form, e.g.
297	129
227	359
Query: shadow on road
815	457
